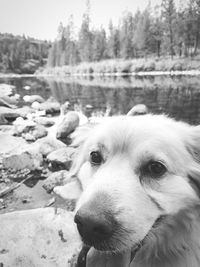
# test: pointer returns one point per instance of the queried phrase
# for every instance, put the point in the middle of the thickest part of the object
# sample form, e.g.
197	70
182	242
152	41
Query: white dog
141	183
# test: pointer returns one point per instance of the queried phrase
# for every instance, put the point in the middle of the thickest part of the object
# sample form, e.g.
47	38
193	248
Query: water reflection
177	96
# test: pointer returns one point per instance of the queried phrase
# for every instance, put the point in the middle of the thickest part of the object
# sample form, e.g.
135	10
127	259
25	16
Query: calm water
177	96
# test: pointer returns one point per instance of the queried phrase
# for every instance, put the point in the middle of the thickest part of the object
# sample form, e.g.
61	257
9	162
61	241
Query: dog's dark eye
96	157
155	169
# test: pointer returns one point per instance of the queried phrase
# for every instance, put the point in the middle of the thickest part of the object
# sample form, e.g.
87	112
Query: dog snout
93	226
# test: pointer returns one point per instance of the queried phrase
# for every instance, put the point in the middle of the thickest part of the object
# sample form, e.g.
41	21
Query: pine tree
169	17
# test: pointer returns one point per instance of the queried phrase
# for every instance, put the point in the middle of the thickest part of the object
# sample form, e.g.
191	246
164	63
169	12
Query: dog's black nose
93	226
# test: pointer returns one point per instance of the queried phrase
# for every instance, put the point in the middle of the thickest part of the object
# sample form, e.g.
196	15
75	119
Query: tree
99	45
85	37
113	44
169	20
126	36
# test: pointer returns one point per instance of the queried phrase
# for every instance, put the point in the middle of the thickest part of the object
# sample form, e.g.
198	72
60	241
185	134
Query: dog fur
158	218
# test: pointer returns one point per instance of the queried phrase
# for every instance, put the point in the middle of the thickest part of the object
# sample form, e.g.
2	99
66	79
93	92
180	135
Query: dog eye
96	158
155	169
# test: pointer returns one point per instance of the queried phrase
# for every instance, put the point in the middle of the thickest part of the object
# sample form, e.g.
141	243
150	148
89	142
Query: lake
177	96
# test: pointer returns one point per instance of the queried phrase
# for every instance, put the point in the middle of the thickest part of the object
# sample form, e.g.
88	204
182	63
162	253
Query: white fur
126	143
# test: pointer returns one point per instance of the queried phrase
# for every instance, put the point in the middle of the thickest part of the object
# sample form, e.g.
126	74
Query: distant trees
20	54
164	30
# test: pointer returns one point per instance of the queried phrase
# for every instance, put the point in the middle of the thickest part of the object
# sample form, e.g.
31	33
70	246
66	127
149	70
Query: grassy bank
123	67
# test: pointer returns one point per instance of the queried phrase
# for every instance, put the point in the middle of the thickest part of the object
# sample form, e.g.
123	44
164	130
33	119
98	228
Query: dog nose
93	226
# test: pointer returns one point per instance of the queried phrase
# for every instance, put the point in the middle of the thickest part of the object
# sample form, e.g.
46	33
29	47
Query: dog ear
193	146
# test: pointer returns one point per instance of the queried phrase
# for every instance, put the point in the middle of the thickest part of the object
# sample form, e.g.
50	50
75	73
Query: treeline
163	30
19	54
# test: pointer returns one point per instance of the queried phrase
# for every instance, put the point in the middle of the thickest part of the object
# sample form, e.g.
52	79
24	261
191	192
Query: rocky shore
35	158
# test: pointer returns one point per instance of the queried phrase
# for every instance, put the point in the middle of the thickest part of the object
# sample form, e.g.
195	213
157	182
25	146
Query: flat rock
27	159
56	179
9	143
38	238
33	98
44	121
69	123
61	158
48	144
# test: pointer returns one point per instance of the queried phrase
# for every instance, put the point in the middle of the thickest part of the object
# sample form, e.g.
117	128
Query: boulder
50	106
8	114
38	238
39	131
10	144
48	145
12	100
139	109
4	103
55	179
25	159
22	127
69	191
44	121
69	123
33	98
61	158
6	89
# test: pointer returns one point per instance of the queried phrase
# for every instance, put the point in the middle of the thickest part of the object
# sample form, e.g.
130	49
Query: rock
8	114
10	144
61	158
11	100
69	123
22	126
44	121
4	103
6	89
139	109
38	238
25	159
39	131
55	179
29	137
33	98
71	190
24	111
27	87
50	106
48	145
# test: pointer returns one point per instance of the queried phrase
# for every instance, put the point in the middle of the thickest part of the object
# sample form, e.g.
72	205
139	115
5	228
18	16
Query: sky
41	18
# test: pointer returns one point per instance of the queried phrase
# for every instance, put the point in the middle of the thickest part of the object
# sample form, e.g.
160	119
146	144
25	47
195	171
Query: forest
20	54
168	29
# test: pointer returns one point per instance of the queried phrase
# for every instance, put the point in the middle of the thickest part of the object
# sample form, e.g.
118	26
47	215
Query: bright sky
40	18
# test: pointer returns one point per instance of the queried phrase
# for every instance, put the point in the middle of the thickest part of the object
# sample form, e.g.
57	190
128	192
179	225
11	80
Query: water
177	96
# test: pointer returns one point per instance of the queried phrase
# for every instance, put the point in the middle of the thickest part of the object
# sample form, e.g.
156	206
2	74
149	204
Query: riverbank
150	66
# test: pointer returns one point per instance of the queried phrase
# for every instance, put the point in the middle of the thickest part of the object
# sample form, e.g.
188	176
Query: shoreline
106	74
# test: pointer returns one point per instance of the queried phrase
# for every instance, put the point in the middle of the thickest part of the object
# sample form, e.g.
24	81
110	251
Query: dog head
133	171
